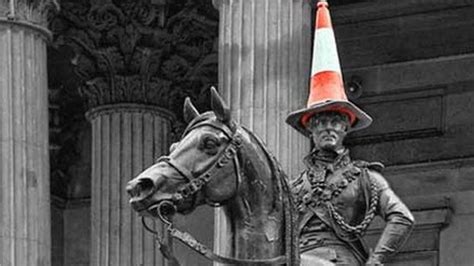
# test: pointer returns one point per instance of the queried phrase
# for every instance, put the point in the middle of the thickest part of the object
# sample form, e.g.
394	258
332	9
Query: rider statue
337	197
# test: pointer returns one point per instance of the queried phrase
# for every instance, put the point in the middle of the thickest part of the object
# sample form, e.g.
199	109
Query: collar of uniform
318	160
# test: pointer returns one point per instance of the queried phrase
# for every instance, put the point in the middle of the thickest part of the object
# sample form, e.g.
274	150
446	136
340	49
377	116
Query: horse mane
281	180
283	189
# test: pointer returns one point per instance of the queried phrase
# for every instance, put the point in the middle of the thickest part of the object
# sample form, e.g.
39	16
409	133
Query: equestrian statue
319	218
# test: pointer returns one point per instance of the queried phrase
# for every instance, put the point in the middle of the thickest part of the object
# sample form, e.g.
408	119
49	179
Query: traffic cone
326	85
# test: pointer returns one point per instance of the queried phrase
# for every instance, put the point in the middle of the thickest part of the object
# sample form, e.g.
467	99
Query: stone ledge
432	213
454	163
373	10
423	218
428	211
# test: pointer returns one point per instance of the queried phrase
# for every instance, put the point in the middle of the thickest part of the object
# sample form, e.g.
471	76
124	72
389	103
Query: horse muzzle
144	193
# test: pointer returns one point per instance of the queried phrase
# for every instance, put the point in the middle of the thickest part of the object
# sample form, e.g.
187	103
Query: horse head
219	162
201	168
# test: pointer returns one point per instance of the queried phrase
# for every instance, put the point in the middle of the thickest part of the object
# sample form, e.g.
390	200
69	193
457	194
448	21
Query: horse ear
219	107
189	111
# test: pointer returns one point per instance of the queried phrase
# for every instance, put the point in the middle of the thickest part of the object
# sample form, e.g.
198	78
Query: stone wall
414	62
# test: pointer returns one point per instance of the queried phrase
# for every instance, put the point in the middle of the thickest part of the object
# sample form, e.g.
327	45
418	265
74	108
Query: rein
190	189
197	246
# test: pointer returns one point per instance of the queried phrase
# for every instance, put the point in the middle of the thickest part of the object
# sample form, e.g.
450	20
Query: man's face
328	130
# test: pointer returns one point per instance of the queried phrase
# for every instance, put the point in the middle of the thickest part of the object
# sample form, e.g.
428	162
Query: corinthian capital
35	12
151	52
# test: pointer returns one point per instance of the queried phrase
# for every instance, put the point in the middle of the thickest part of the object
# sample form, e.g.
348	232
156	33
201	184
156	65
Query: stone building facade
109	78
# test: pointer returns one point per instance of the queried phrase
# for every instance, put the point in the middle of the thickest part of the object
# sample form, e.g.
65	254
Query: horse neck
256	213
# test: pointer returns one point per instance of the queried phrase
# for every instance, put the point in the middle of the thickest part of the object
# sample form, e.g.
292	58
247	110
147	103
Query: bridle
195	184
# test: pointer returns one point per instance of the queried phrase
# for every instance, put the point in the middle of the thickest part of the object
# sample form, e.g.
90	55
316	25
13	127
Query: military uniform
337	200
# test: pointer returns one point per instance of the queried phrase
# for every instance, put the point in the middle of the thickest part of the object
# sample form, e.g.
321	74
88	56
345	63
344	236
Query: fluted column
24	189
264	56
126	138
132	57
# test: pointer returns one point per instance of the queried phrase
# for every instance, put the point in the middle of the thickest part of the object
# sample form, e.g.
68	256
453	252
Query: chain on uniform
318	192
369	216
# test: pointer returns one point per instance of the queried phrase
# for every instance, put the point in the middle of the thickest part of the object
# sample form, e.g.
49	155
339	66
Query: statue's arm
399	221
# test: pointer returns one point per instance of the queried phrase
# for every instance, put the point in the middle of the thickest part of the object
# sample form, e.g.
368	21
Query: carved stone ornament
147	52
34	12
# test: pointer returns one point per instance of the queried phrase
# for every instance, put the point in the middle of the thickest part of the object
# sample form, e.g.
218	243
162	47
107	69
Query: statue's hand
373	262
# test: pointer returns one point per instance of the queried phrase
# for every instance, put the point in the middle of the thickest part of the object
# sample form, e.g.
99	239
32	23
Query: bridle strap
227	131
197	246
163	247
183	171
196	184
202	249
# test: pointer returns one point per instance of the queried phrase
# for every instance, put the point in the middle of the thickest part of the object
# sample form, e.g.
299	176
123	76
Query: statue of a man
337	197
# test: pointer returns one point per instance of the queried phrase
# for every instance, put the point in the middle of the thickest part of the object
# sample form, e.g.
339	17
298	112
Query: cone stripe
324	87
323	19
325	56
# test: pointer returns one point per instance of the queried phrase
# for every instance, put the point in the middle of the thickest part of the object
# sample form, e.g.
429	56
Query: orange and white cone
326	77
326	85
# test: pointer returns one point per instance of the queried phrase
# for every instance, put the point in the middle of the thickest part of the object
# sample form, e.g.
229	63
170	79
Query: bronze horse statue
220	163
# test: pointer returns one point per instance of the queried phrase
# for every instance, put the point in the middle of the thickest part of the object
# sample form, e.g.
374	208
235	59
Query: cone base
295	119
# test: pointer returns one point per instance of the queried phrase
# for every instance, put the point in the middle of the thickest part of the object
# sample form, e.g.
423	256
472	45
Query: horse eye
210	143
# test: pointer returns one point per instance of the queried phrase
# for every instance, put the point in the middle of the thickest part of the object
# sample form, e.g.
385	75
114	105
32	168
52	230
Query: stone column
133	56
126	138
24	189
264	64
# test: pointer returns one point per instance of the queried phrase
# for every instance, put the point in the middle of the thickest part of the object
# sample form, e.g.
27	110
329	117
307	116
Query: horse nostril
144	186
132	189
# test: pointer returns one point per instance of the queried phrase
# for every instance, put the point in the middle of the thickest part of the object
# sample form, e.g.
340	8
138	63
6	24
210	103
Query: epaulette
376	166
